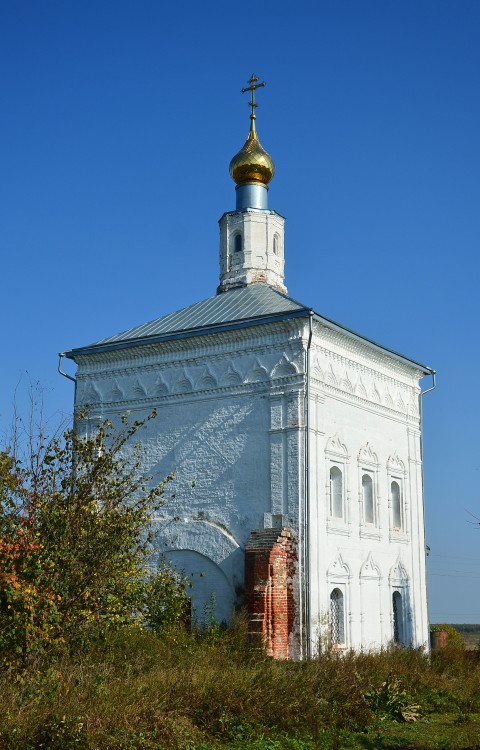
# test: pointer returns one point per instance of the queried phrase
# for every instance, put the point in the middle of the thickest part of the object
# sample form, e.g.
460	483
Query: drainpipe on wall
69	377
307	651
65	374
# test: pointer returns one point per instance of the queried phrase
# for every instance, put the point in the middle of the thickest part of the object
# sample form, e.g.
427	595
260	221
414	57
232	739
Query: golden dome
252	163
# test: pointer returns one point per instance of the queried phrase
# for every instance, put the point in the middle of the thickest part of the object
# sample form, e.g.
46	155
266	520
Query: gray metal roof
250	305
254	301
257	303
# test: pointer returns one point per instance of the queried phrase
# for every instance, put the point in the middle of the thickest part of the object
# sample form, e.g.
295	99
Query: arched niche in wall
211	559
211	592
400	606
371	607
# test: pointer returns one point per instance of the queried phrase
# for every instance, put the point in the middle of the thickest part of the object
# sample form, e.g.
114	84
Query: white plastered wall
229	422
364	418
262	249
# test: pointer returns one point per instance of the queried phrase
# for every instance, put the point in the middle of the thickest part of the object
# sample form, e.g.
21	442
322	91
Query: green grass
182	691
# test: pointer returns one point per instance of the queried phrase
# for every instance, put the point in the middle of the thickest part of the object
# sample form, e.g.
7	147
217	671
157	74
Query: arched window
367	493
396	497
397	604
275	244
238	243
336	492
337	617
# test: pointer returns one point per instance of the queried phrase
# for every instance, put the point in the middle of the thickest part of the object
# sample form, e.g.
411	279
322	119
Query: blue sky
118	123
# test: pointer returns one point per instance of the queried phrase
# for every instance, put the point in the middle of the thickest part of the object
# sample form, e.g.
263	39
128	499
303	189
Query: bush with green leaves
391	701
165	601
454	637
75	536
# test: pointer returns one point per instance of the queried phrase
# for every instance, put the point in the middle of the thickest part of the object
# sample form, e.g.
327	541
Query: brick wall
270	559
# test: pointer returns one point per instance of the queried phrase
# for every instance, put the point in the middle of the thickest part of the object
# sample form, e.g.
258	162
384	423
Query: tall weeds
178	690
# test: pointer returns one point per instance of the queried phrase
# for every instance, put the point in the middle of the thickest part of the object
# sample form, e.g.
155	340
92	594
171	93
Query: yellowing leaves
74	535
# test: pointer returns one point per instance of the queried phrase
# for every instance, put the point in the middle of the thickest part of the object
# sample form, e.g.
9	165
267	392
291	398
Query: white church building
296	444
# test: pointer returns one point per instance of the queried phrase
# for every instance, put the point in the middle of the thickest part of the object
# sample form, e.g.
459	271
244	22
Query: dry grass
180	690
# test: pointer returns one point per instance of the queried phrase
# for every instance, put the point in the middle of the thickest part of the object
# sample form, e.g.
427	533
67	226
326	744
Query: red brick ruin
270	558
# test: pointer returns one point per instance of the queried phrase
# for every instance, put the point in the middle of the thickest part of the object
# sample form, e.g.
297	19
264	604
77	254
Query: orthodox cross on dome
253	86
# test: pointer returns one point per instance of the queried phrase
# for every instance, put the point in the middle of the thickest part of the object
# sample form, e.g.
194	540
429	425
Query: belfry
303	437
251	237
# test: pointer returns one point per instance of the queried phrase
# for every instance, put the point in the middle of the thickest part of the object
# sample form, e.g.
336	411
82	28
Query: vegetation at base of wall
93	655
175	690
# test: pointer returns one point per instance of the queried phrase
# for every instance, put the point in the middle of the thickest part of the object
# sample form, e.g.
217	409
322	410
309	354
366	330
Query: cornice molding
294	384
342	362
290	348
364	403
343	340
360	382
221	342
204	376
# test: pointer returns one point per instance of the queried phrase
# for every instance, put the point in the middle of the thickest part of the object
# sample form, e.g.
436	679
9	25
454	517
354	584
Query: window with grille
397	617
337	629
336	492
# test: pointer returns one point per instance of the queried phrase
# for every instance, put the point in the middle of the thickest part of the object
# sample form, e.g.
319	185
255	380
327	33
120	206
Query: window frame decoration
338	577
396	473
368	465
336	456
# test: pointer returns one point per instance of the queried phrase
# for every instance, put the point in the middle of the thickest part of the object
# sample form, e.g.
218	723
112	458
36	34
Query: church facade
296	445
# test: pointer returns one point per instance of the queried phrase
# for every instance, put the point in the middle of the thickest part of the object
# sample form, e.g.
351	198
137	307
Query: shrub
165	600
454	637
391	701
74	539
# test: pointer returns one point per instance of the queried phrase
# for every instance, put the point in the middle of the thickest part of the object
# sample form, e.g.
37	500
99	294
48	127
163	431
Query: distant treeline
467	628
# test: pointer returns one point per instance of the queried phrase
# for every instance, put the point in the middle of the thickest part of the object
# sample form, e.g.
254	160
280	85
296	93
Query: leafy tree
75	534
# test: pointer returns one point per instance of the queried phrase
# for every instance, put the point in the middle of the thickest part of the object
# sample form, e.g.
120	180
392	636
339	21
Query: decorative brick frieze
288	334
